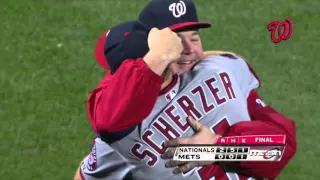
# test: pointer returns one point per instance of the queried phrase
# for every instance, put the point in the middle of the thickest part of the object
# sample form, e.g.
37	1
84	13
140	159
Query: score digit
241	156
220	156
221	150
231	156
243	149
232	150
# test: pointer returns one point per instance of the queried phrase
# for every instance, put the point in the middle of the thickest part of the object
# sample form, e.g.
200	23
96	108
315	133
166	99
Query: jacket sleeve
265	121
125	99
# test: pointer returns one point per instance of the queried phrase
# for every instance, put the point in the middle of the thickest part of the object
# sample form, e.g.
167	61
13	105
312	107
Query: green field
47	69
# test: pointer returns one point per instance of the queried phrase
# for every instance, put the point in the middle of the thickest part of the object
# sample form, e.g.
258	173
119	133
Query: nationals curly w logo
178	9
284	28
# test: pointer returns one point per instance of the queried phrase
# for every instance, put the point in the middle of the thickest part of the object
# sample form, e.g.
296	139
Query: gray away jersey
215	93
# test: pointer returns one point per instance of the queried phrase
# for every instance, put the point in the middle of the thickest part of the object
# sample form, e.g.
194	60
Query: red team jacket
129	96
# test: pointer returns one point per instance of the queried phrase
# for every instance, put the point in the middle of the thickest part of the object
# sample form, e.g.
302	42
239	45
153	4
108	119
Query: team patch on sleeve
92	159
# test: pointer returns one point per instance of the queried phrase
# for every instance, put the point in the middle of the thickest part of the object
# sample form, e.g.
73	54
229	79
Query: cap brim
99	51
186	25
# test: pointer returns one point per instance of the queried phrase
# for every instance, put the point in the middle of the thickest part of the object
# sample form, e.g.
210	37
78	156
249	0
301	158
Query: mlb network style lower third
236	148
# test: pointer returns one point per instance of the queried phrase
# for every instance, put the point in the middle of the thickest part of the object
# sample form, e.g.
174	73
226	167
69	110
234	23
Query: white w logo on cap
178	9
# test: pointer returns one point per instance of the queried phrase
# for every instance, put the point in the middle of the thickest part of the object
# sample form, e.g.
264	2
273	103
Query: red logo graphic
272	153
285	29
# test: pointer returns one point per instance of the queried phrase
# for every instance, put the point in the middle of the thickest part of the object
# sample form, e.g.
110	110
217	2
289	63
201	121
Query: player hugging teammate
157	79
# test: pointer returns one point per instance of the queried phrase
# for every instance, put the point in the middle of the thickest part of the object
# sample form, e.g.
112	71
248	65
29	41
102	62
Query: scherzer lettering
188	106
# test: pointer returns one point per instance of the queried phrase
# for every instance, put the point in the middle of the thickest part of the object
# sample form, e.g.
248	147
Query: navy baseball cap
175	14
128	40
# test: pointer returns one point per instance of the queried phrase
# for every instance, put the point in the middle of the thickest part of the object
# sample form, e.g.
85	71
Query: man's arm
265	121
129	94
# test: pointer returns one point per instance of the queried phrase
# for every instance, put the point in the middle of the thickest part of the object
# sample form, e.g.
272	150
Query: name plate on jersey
255	148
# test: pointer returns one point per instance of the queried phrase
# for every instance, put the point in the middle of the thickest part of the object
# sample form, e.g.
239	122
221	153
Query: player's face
191	54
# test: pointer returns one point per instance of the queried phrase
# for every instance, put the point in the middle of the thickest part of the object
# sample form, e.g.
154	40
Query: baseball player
135	157
274	113
118	168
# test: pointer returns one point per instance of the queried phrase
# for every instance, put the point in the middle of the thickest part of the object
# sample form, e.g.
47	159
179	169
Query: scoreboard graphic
240	148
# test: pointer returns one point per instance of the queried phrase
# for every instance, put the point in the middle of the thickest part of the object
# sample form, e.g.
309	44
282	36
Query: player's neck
168	77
